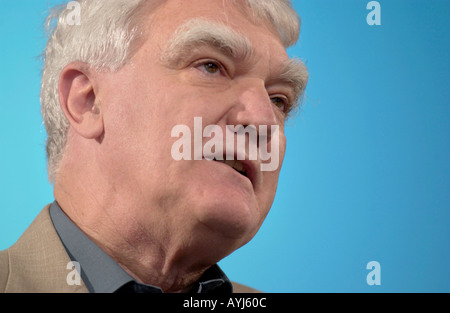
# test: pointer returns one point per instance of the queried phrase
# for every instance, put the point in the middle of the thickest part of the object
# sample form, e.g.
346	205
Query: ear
78	101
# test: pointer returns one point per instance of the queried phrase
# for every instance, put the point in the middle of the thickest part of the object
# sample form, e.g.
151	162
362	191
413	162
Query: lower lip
236	172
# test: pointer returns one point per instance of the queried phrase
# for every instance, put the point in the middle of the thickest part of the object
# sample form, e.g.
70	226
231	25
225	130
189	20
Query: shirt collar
101	274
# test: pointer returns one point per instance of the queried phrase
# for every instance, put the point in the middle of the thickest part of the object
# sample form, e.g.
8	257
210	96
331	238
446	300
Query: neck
146	248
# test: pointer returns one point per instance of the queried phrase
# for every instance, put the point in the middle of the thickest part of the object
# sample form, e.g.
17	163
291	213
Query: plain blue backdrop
366	175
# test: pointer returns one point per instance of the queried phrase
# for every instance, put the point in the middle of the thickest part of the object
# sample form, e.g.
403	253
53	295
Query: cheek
134	141
266	194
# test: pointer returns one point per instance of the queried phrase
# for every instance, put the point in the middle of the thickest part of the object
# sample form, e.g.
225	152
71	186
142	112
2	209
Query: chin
224	203
230	216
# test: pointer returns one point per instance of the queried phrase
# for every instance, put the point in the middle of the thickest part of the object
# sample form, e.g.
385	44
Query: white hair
106	38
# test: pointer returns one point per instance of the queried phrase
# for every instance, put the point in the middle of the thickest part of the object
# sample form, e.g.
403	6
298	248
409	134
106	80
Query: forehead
171	14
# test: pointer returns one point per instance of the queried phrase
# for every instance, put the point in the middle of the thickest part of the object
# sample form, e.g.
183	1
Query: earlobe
79	102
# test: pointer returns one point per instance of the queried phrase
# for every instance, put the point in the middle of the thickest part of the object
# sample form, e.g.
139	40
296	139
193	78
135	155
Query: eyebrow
200	32
295	74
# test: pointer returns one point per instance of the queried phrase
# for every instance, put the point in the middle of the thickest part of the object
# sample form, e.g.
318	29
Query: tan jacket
37	262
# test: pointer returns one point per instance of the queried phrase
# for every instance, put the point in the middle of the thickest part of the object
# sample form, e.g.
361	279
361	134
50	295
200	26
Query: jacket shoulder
4	269
37	262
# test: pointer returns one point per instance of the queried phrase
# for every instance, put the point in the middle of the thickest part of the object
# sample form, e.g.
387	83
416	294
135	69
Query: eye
280	102
211	68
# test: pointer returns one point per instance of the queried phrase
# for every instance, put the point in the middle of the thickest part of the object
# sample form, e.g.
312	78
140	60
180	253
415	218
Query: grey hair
106	38
281	14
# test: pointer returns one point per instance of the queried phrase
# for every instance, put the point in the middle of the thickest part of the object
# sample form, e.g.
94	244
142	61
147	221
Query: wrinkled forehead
169	15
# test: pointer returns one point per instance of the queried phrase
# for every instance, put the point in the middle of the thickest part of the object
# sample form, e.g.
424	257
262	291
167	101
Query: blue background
366	176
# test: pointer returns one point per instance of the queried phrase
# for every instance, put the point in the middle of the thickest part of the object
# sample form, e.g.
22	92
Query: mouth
238	166
245	168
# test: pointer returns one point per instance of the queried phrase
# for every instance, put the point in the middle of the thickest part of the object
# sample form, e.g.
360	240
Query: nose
252	106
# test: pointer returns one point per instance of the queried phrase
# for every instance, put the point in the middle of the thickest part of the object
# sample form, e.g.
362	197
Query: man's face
155	92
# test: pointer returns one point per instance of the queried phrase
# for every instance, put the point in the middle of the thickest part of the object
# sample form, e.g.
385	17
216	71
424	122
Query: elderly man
128	215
